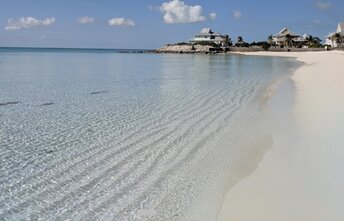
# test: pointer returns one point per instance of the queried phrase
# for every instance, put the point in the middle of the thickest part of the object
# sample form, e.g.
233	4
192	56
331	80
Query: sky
148	24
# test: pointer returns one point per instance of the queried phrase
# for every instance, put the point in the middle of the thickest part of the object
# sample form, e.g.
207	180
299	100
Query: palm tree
310	41
230	43
227	41
317	41
270	40
288	40
313	42
240	40
337	39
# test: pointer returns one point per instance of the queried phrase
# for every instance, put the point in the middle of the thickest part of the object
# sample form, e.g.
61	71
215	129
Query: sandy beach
301	177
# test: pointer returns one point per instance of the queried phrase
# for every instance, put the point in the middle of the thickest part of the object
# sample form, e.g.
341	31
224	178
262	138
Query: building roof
330	35
286	31
206	31
302	38
305	36
340	28
209	32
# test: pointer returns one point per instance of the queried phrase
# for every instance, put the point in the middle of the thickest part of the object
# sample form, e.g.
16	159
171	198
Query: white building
280	37
207	35
332	40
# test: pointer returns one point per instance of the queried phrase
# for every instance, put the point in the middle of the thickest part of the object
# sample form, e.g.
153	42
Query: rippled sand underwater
110	136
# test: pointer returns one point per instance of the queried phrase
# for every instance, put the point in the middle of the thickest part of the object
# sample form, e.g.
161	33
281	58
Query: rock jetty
190	49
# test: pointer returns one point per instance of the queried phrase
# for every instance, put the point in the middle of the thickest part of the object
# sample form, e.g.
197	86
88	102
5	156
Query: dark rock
99	92
9	103
49	151
47	104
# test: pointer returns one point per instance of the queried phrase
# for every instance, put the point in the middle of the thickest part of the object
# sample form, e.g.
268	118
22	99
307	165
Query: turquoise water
94	135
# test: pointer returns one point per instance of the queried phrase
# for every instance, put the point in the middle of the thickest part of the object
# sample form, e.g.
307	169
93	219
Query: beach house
336	39
207	35
285	36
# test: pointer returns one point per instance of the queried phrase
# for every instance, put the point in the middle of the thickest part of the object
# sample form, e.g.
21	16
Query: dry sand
302	177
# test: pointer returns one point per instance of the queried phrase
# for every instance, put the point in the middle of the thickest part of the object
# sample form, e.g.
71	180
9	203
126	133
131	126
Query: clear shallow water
109	136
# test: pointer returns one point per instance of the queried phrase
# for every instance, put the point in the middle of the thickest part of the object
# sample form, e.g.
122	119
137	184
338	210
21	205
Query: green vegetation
313	42
182	43
270	40
263	44
241	42
228	41
288	41
338	38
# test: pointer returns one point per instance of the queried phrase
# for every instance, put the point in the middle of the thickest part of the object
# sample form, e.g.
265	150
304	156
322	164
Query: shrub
182	43
266	47
244	44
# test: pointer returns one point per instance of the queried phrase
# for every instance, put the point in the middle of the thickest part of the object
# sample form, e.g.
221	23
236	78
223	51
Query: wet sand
302	176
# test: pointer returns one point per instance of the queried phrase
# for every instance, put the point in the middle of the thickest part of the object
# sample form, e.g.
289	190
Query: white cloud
27	22
48	21
212	16
85	20
151	7
318	22
177	11
237	14
121	22
323	5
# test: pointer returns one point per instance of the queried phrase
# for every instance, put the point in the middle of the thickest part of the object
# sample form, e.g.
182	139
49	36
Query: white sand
302	177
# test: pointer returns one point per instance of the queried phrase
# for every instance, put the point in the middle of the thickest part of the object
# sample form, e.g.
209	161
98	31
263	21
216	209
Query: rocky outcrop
187	48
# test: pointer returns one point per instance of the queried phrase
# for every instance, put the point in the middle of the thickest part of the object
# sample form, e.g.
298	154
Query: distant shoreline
208	49
164	50
44	49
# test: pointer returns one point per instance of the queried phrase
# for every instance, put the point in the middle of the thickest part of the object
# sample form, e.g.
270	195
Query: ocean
103	135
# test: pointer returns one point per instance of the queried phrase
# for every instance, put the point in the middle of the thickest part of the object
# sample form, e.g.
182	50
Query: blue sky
152	23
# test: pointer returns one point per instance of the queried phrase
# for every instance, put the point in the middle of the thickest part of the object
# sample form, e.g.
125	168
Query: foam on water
106	136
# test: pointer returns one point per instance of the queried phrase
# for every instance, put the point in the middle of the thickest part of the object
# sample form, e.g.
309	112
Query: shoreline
201	50
299	178
205	50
